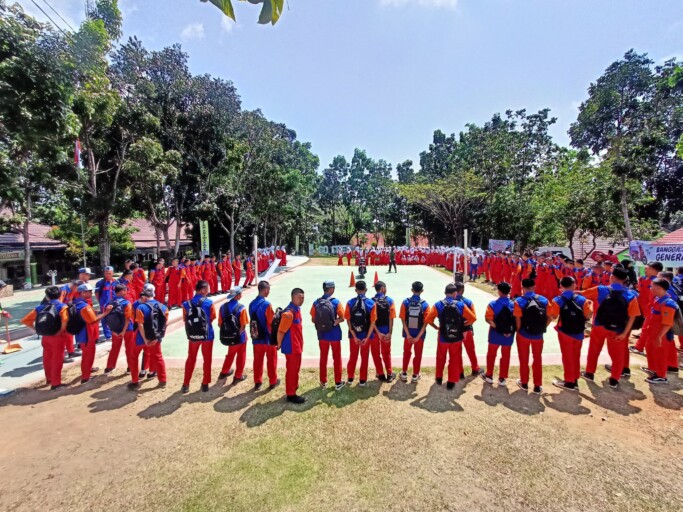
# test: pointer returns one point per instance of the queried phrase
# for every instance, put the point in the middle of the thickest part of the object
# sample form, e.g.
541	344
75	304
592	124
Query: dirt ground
386	446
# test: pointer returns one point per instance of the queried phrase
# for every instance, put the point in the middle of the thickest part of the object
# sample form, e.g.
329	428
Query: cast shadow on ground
260	413
666	395
568	402
519	401
439	399
176	400
38	395
23	370
615	400
118	396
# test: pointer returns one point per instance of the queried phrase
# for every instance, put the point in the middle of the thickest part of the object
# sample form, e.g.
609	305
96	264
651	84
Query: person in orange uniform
237	353
139	279
500	317
261	316
68	294
290	340
330	339
202	301
87	336
645	299
663	313
214	276
380	340
616	310
157	277
222	268
249	271
126	336
531	318
53	346
237	270
359	332
151	347
174	276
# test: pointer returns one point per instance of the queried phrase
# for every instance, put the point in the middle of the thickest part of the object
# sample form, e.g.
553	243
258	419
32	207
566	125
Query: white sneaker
323	385
337	387
502	382
416	378
404	376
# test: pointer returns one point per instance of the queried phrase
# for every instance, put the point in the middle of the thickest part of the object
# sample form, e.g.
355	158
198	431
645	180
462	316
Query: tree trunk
167	239
156	232
27	244
232	234
624	209
104	242
176	249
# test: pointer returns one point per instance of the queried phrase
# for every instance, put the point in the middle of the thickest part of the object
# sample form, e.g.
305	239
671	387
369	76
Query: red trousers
226	281
571	356
240	353
87	359
207	351
269	352
524	346
68	342
174	293
53	357
354	350
160	292
156	361
238	276
408	352
468	343
214	283
249	278
657	356
672	355
292	373
381	355
325	347
128	342
644	334
616	349
452	351
504	360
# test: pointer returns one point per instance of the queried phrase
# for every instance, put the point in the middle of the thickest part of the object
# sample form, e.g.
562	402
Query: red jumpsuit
237	270
175	276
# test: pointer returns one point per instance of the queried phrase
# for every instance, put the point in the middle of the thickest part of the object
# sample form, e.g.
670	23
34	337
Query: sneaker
415	378
645	369
634	350
185	389
205	388
487	379
362	383
462	375
95	369
569	386
339	385
68	360
381	378
258	386
222	376
58	386
76	353
151	375
476	372
133	385
439	380
127	370
237	380
391	377
161	384
538	390
657	380
450	385
502	382
672	369
525	387
274	385
108	370
588	376
349	381
323	385
404	376
142	374
626	373
296	399
613	383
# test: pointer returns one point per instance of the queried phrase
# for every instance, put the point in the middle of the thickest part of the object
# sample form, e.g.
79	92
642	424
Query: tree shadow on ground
261	412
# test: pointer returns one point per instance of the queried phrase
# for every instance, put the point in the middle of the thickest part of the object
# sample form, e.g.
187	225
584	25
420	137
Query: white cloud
445	4
227	24
192	31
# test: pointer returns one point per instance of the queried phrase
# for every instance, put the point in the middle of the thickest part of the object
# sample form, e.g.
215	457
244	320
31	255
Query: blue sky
382	75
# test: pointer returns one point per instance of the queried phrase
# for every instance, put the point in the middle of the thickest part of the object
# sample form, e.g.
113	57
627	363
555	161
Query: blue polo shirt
334	334
234	307
470	305
369	304
146	308
561	300
439	306
603	292
206	306
425	307
384	329
258	307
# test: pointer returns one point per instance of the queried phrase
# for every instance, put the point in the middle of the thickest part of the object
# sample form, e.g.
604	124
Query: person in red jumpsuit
290	340
249	270
174	276
157	276
237	270
139	279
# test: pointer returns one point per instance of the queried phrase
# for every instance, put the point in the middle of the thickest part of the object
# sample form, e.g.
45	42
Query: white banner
271	270
501	245
669	254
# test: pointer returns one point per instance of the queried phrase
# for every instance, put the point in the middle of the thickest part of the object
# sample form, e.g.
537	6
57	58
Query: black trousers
392	263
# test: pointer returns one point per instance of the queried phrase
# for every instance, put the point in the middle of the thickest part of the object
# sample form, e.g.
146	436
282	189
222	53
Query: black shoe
142	374
225	375
391	377
626	373
68	360
672	369
462	375
95	369
58	386
450	385
161	385
151	375
108	370
523	386
273	386
439	380
349	382
296	399
569	386
258	386
237	380
205	388
382	378
127	370
477	372
613	383
656	380
133	385
588	376
538	390
75	353
185	389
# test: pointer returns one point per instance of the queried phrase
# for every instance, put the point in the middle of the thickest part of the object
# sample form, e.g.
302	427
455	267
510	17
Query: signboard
671	255
311	249
296	245
11	256
204	237
501	245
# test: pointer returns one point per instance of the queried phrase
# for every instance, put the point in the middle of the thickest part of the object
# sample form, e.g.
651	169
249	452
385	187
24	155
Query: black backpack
76	322
230	328
48	321
572	318
505	321
451	322
415	314
256	330
613	311
360	319
382	308
154	325
325	315
196	321
116	318
275	326
534	317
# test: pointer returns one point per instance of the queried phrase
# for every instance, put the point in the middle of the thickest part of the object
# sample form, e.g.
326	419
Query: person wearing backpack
616	309
664	311
49	321
233	321
468	341
453	316
502	325
327	313
360	315
673	294
645	299
104	291
83	319
412	314
120	322
290	340
151	318
531	321
261	316
571	311
68	292
144	367
198	316
380	339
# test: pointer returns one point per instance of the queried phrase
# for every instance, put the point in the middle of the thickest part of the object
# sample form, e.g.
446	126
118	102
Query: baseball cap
84	288
108	268
84	270
148	290
234	292
328	284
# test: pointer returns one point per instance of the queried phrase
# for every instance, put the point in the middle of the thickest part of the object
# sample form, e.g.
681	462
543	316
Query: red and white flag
77	154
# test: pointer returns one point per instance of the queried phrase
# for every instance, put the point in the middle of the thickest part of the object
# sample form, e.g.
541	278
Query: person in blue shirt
330	339
531	321
104	291
500	317
413	315
468	342
671	352
261	316
238	352
678	278
151	347
380	340
359	333
200	298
